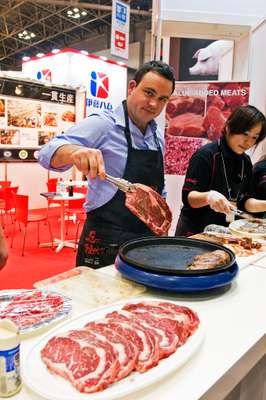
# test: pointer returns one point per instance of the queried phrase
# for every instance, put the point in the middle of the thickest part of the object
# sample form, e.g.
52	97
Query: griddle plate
170	255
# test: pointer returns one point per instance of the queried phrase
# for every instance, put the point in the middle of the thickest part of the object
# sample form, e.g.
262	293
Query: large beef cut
134	338
150	208
214	122
78	356
187	124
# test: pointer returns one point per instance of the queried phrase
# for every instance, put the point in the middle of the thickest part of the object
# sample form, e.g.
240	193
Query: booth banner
79	69
120	29
30	115
195	115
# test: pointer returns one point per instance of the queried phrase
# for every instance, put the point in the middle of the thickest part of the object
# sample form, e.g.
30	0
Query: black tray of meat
176	256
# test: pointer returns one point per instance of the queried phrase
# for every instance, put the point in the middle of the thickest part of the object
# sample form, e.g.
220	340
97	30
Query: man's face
147	99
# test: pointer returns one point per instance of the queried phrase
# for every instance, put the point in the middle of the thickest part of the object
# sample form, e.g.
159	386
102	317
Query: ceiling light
40	55
55	51
76	13
26	35
84	52
25	58
121	63
103	58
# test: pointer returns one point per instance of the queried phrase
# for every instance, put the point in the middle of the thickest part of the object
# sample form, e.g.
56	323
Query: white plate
52	387
236	226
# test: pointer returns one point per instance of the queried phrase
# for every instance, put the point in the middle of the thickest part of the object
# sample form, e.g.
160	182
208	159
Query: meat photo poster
195	115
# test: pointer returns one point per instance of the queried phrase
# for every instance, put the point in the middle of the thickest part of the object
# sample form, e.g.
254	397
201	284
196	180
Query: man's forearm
63	155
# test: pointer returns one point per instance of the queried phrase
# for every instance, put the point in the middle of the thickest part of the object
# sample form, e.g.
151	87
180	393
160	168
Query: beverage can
10	380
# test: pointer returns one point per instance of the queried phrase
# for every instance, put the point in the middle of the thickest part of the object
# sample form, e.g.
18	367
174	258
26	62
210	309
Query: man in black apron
107	227
111	224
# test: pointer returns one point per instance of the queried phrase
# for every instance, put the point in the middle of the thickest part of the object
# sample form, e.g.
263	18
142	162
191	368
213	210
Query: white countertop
233	322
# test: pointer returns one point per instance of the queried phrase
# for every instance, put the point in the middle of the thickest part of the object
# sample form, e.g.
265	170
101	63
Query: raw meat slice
168	340
150	208
162	309
87	364
135	335
126	350
27	309
151	355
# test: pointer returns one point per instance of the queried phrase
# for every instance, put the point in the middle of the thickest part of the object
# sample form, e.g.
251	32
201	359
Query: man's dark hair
243	119
159	67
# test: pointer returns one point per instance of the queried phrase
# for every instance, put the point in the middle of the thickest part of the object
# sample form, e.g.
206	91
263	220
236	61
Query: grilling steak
210	259
150	208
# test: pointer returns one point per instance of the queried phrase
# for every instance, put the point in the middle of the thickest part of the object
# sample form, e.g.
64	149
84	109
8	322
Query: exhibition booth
166	319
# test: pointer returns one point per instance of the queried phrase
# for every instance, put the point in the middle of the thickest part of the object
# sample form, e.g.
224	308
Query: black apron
112	224
192	221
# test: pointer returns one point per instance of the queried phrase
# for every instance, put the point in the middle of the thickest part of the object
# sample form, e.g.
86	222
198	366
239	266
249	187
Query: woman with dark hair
219	174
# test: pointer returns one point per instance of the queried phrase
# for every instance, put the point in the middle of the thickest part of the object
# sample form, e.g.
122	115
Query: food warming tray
170	255
178	283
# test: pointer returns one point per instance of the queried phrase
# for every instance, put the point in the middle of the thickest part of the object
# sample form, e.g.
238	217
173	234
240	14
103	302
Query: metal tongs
122	184
245	215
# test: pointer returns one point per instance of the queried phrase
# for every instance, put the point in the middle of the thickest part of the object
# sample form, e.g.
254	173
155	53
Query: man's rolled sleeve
46	153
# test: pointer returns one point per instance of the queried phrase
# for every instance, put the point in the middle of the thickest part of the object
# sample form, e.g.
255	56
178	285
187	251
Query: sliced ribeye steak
150	208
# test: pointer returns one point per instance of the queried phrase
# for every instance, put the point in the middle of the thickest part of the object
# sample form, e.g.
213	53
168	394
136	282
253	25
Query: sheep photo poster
195	115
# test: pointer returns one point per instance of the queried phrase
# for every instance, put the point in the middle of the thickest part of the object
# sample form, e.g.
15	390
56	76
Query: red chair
24	216
51	184
51	187
7	202
4	184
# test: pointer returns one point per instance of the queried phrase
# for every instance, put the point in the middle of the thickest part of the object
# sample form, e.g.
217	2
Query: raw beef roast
214	122
188	124
105	351
150	208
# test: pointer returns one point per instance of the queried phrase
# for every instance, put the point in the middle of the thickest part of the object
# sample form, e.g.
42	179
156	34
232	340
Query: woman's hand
218	202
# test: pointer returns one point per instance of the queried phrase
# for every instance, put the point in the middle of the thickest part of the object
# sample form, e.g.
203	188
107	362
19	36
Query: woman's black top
259	180
214	167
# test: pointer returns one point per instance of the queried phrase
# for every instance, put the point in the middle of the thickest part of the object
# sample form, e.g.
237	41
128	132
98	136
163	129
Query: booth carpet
37	263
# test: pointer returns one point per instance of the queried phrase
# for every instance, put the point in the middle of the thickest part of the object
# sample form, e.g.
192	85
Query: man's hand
89	161
218	202
3	250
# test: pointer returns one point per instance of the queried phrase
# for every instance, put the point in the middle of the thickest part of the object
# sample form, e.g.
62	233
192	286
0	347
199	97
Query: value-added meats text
134	338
